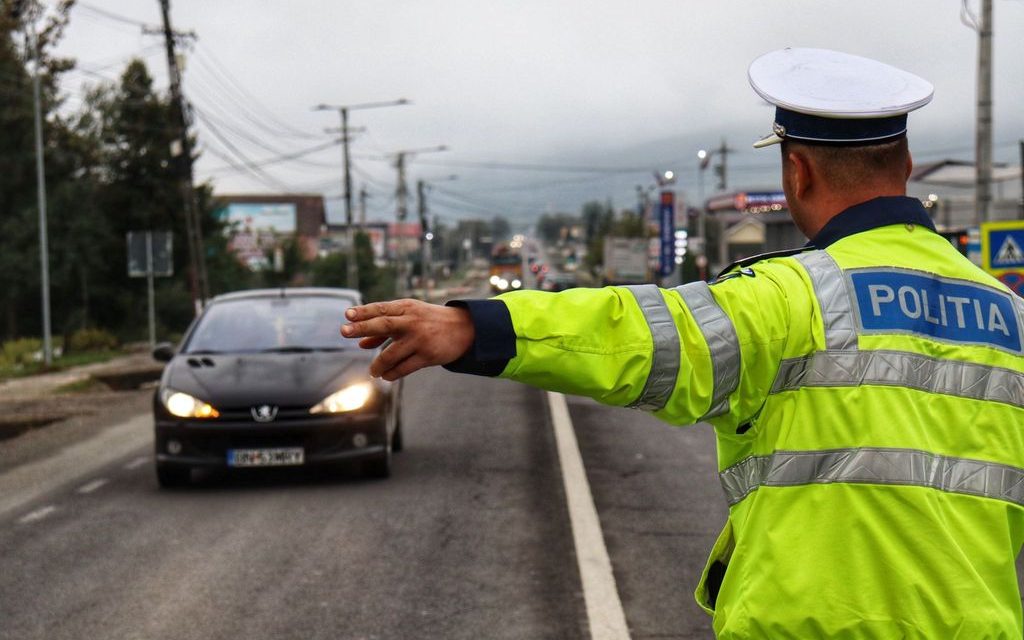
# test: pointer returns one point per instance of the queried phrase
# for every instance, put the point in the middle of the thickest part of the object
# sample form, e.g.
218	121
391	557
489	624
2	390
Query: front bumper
324	440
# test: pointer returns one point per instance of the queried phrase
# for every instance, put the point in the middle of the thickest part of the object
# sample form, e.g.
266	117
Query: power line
470	200
280	158
106	23
386	188
534	185
96	67
242	134
218	68
520	166
246	162
110	15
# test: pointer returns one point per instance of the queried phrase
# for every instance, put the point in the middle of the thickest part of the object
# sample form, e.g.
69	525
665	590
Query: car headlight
503	284
348	399
516	284
185	406
494	280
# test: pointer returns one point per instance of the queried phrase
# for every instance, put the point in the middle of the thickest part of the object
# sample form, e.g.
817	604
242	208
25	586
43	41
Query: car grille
284	414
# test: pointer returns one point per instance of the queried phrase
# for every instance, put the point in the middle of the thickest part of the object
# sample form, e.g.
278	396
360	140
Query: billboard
255	230
278	217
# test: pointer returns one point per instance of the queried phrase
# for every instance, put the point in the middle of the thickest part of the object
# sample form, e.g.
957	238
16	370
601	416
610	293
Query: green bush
20	351
92	340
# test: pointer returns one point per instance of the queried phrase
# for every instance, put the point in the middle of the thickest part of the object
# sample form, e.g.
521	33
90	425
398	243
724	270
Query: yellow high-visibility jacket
868	402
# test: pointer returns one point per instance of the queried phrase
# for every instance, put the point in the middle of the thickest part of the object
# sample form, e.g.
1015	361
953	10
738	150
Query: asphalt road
469	538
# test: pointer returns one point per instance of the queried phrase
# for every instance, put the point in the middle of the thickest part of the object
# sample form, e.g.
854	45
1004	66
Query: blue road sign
666	215
1003	246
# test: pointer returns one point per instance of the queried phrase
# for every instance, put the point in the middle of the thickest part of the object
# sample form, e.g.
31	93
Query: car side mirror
163	352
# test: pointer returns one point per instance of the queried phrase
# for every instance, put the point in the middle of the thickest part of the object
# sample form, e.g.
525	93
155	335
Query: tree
551	227
500	229
375	283
19	227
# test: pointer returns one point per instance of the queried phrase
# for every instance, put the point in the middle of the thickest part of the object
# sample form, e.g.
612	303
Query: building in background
259	226
947	189
403	239
748	223
335	240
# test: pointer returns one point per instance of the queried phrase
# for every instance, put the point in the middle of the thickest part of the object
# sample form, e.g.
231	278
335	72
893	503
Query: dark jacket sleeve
495	341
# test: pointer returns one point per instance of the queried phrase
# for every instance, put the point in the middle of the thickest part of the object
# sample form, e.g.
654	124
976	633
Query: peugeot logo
264	413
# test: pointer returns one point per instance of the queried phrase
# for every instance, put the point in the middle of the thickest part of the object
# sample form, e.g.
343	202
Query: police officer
867	391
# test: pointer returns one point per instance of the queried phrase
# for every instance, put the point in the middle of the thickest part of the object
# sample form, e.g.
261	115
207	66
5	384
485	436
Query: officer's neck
821	206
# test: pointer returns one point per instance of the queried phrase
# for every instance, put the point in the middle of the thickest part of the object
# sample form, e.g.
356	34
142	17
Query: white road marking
604	609
21	485
92	486
137	462
37	515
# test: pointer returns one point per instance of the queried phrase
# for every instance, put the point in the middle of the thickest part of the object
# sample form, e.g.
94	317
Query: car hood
284	379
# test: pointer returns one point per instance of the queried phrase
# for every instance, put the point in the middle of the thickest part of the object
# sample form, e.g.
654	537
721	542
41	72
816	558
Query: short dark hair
848	167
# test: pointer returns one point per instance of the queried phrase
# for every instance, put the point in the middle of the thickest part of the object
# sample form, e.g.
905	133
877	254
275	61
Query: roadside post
150	255
1002	252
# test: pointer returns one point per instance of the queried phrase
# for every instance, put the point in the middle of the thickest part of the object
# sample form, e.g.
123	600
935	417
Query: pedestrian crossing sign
1002	246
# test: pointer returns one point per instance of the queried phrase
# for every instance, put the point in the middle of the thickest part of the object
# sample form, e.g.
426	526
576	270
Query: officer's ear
800	173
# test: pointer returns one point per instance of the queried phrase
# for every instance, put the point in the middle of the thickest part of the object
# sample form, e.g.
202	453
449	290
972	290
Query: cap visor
768	140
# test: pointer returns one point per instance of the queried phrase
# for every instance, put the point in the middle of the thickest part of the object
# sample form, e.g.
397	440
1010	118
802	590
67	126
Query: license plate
280	457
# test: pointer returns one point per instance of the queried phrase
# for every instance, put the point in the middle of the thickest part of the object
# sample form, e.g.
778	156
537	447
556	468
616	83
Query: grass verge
59	364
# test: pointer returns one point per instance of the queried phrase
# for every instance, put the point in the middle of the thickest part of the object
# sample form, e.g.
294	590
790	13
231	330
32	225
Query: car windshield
286	325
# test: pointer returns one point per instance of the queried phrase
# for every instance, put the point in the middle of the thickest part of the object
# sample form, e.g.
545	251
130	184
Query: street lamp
353	269
32	45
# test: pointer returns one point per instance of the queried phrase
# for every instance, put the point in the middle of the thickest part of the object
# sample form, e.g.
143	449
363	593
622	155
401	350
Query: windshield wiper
299	349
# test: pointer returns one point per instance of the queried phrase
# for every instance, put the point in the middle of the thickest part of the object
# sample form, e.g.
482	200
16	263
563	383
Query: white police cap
834	98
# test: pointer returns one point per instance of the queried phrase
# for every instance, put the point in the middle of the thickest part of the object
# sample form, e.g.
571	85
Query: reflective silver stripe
1020	315
874	466
665	361
720	336
830	290
903	369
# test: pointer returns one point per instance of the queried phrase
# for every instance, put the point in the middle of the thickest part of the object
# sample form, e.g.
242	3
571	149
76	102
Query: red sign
1014	280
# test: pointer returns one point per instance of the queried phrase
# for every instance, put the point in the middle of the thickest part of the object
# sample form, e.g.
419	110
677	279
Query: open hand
422	335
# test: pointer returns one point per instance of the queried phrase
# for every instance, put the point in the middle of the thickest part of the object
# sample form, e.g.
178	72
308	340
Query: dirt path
45	384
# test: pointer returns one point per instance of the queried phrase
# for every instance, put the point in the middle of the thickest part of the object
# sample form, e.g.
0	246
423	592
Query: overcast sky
631	87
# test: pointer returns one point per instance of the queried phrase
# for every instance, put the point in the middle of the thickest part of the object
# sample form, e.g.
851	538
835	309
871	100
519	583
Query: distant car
559	282
264	379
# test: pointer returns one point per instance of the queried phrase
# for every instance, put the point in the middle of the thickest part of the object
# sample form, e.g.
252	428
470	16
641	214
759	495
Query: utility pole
1022	178
401	193
353	267
983	126
421	195
353	264
723	152
402	212
32	42
193	226
362	206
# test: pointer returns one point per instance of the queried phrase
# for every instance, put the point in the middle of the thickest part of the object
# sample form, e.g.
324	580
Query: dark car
559	281
264	379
